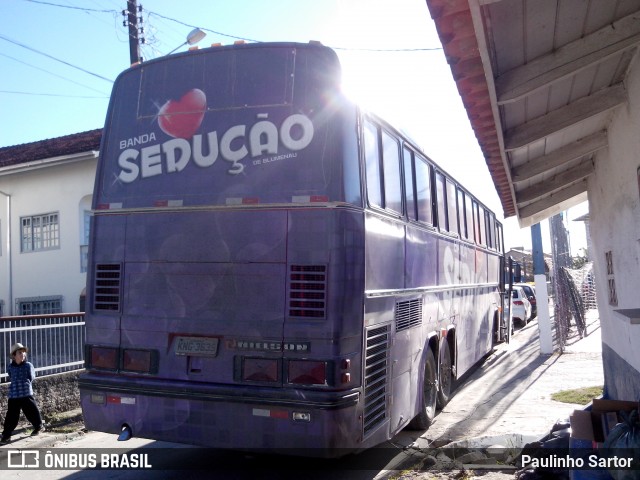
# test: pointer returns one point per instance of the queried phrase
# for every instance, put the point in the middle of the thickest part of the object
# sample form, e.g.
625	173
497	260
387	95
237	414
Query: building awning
539	81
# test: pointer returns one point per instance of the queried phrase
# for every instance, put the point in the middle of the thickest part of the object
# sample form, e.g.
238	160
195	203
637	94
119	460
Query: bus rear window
255	78
225	126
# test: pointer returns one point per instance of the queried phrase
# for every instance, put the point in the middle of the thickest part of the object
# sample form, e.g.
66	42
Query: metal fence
576	295
55	342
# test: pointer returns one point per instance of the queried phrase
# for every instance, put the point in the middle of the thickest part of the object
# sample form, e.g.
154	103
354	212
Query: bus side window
372	164
410	184
451	207
470	223
441	198
392	180
500	239
491	231
423	190
476	221
462	221
483	228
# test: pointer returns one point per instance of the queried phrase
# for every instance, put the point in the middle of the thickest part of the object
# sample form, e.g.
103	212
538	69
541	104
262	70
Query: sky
59	59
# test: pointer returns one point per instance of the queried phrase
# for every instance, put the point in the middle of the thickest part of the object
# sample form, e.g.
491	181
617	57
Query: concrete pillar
542	297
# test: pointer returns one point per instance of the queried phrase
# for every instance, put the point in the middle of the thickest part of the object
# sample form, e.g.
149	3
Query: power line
203	28
114	13
171	35
96	14
260	41
54	58
84	9
50	73
51	94
236	37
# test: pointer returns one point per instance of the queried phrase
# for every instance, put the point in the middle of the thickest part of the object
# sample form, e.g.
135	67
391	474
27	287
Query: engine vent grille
375	379
408	314
107	283
308	291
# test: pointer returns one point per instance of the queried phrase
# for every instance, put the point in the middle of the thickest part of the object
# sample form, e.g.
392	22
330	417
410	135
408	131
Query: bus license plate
196	346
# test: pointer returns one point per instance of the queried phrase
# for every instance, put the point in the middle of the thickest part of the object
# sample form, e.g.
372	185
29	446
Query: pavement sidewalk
510	393
69	425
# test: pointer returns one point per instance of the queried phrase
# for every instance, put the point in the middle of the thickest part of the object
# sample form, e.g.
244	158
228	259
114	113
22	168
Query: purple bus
273	268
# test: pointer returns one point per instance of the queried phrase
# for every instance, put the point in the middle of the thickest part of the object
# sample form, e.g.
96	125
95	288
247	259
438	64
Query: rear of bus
226	275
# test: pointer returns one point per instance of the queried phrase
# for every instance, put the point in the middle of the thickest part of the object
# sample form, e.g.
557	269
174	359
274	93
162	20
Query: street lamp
194	37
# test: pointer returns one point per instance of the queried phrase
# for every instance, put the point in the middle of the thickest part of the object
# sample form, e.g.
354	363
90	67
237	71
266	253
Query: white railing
55	342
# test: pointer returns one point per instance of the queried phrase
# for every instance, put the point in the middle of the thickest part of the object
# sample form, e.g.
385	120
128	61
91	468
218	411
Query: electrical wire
174	32
95	14
151	13
236	37
54	58
52	94
202	28
71	7
154	44
112	2
50	73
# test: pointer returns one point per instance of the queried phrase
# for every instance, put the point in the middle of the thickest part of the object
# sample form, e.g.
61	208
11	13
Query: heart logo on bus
182	118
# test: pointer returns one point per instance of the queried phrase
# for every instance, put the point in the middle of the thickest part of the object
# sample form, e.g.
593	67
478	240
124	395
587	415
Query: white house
552	91
45	202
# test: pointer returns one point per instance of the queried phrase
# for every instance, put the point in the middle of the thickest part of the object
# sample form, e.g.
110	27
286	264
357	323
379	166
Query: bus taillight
139	361
260	369
307	372
104	358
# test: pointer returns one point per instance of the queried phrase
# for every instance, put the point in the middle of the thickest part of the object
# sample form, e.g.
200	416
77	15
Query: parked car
530	292
520	306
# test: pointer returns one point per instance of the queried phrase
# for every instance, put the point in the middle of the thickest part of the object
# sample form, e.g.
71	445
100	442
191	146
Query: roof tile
49	148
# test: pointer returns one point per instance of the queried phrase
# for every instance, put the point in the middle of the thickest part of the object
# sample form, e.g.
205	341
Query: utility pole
132	21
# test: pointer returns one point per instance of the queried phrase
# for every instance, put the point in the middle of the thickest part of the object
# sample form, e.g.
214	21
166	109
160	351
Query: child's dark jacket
21	378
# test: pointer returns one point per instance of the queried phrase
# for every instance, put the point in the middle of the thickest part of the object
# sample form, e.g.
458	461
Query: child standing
22	375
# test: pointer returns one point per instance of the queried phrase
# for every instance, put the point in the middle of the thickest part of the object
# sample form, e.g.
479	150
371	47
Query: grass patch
579	396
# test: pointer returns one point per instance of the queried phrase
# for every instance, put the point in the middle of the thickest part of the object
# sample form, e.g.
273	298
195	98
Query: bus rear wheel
445	375
427	413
